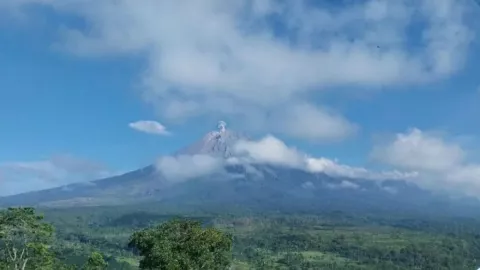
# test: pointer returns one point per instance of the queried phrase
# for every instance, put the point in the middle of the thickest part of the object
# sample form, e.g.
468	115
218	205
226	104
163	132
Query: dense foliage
24	240
182	245
95	262
133	238
26	243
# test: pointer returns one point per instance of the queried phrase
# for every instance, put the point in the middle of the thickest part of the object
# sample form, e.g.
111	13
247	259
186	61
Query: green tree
25	240
183	245
95	262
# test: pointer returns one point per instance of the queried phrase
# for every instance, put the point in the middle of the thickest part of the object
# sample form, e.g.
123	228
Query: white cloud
344	184
18	177
306	121
204	56
271	150
151	127
441	164
333	168
267	150
185	167
417	150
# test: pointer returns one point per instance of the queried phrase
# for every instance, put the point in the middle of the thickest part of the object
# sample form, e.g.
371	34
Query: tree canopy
183	245
95	262
24	240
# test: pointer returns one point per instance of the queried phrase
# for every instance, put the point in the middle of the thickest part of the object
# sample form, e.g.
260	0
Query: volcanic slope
256	186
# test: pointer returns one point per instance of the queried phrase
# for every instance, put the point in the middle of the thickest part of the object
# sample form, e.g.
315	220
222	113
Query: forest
156	238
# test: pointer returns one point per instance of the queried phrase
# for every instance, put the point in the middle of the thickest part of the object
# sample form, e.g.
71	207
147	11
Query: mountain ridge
260	186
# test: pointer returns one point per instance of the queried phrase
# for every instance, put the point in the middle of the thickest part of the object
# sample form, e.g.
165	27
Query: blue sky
334	80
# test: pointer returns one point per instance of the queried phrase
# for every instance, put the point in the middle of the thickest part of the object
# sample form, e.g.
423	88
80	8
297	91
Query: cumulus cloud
185	167
271	150
440	163
267	150
151	127
215	56
420	151
18	177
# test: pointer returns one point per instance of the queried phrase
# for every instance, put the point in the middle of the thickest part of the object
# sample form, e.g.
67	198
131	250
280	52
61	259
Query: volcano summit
218	143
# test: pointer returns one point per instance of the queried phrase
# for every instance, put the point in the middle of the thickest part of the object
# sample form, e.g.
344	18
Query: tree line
332	241
27	242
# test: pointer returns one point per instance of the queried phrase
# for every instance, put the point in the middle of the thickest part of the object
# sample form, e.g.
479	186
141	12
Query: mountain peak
222	126
216	143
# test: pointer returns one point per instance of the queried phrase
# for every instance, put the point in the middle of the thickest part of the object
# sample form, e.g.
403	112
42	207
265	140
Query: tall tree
95	262
25	239
183	245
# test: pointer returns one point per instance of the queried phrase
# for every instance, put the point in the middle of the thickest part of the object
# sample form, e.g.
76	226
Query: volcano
145	184
255	186
218	143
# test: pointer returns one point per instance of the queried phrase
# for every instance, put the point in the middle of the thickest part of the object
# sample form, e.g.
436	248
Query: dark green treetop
183	245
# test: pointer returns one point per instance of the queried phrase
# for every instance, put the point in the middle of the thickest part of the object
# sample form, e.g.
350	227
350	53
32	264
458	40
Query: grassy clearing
131	261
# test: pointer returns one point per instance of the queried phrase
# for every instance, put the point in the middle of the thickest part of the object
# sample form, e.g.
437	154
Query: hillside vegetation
330	240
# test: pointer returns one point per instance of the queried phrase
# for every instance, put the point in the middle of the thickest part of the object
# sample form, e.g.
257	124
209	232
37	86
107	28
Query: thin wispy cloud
24	176
186	167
